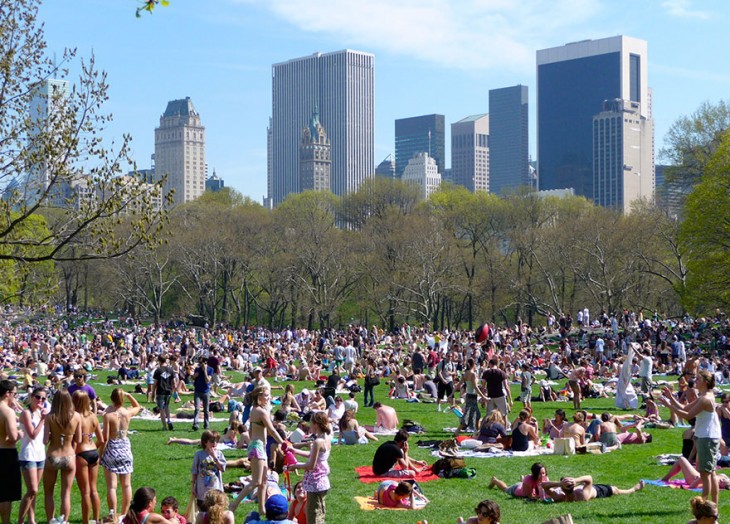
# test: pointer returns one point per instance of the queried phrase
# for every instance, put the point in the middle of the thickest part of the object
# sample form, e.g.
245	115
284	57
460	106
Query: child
399	495
169	510
488	512
208	467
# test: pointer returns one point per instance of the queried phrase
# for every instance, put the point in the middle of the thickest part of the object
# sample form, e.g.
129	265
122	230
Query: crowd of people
61	440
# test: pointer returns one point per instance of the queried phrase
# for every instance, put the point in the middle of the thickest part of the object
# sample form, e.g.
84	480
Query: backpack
460	473
441	466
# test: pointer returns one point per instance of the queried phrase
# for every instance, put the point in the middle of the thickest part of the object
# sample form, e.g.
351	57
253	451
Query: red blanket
365	473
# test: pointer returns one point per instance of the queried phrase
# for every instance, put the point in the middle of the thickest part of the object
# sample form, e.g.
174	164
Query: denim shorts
163	401
32	464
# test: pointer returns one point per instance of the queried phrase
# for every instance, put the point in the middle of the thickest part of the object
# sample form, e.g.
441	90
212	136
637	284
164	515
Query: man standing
81	385
445	372
10	480
215	363
496	382
201	394
165	381
645	367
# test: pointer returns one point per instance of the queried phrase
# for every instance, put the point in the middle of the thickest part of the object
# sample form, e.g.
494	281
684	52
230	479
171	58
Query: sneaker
206	426
169	426
438	408
196	427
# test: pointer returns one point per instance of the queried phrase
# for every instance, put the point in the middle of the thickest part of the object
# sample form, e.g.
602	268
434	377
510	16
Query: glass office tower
573	81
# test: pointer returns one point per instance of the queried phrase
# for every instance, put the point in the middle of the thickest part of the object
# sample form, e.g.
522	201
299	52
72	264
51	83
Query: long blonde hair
216	503
81	403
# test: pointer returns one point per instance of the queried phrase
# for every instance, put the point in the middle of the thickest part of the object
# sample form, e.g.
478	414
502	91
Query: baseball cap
305	391
276	505
257	368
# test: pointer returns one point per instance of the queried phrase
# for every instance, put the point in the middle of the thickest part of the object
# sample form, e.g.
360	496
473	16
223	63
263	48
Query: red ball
482	333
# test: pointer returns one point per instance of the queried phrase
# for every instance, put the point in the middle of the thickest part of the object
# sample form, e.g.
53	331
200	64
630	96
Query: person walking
165	382
201	395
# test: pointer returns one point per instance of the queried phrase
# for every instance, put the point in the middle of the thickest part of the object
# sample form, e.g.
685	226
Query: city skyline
431	57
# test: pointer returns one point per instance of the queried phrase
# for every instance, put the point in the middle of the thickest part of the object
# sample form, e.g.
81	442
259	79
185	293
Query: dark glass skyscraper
509	149
573	81
420	134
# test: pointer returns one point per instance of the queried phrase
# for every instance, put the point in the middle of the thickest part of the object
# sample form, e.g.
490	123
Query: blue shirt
201	386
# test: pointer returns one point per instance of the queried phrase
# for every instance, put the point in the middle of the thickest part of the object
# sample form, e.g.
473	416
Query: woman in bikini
261	426
116	451
32	455
62	431
87	457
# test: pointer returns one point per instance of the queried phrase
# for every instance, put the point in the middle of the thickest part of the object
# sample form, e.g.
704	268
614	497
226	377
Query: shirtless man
386	417
10	481
582	489
575	430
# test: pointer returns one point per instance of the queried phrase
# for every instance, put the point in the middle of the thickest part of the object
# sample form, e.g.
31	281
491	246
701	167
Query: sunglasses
78	376
38	397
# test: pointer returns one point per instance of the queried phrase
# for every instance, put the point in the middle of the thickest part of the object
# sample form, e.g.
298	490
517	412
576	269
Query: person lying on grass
530	487
582	489
691	476
391	494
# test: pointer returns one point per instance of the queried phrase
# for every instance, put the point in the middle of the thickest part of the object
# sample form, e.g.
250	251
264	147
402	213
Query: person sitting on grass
575	430
391	494
277	510
142	509
523	432
350	430
386	418
395	452
216	509
488	512
552	427
582	489
704	511
169	509
530	487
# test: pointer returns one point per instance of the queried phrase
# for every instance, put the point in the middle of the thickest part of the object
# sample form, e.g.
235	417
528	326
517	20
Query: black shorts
603	491
10	480
445	389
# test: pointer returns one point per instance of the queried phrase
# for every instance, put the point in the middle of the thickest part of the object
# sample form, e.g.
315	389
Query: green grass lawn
167	469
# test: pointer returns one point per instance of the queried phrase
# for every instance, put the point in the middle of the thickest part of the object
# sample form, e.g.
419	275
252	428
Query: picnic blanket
463	453
177	420
371	504
366	475
676	484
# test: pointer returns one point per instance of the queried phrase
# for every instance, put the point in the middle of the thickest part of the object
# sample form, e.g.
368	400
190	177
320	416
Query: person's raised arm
136	408
316	449
691	410
27	424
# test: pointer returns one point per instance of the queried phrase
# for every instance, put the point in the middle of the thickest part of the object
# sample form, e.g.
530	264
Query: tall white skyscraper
180	151
48	100
341	85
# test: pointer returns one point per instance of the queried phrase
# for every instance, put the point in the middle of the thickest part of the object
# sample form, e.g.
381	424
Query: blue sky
431	56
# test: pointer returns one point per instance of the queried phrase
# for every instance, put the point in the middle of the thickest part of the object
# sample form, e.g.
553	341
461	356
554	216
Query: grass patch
167	469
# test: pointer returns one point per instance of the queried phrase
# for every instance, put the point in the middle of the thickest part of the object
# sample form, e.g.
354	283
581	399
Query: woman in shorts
707	430
261	427
32	455
530	486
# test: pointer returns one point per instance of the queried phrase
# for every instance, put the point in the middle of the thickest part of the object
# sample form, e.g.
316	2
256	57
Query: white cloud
681	9
464	34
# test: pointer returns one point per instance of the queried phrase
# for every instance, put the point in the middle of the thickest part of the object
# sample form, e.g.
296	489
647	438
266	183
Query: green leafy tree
44	155
707	231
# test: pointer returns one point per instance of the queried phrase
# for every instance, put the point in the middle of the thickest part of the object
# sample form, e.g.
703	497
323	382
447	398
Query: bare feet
639	486
492	483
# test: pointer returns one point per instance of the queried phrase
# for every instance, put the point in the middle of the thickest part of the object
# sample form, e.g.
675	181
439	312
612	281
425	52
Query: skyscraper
46	106
623	167
315	161
573	81
420	134
341	85
180	151
508	139
423	173
470	153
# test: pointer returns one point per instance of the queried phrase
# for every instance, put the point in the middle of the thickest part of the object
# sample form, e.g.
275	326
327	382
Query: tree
692	140
45	153
707	231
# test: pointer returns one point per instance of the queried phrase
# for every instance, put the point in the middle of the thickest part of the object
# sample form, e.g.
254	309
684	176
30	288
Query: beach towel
366	475
676	484
370	504
463	453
